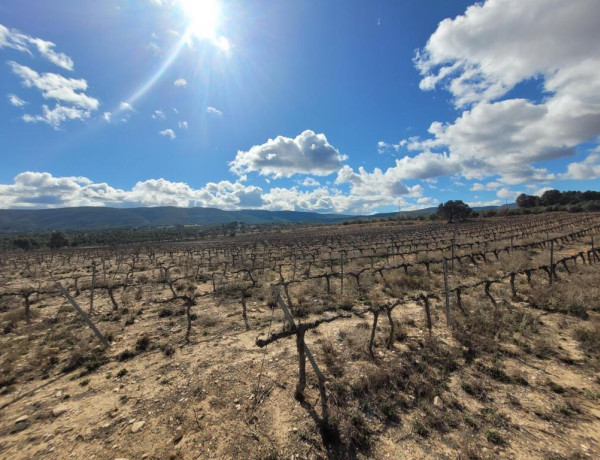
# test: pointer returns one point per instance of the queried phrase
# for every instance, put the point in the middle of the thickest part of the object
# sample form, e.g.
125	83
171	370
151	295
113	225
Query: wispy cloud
16	100
57	87
57	115
213	111
14	39
168	133
159	114
72	103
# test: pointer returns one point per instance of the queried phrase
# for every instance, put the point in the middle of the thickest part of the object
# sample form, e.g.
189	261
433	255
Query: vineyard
377	340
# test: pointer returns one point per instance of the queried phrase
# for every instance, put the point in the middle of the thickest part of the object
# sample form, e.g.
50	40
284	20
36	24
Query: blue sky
354	107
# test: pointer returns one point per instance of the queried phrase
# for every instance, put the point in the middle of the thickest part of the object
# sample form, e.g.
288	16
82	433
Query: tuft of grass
420	429
556	387
495	437
90	361
589	338
142	343
125	355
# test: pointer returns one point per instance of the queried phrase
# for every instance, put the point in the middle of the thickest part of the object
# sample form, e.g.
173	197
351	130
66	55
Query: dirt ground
532	391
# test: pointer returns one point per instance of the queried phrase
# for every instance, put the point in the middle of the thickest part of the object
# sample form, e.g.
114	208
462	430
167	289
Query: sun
203	16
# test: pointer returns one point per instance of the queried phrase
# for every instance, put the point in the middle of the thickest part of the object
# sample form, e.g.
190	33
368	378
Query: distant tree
527	201
591	196
58	240
24	244
454	209
550	198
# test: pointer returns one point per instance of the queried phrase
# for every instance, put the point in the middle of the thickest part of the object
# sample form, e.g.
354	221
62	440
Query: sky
340	106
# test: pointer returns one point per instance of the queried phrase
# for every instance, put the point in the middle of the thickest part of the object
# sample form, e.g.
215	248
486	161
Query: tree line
556	197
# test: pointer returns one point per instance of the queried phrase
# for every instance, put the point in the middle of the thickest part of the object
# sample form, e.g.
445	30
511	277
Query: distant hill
97	218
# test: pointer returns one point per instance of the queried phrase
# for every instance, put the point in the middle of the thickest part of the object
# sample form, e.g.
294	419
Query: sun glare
203	17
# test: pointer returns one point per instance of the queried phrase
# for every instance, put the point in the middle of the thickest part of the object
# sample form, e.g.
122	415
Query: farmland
409	340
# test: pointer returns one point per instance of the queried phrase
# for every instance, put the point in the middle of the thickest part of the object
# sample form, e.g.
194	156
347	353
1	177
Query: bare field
202	362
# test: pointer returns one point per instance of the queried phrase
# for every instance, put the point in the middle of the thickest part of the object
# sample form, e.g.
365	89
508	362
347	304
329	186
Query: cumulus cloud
14	39
57	115
69	93
310	182
16	100
42	190
365	183
504	192
586	169
57	87
168	133
307	153
479	204
477	187
183	125
480	56
541	191
181	82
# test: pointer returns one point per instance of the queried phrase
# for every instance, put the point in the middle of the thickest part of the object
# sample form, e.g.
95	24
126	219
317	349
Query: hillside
97	218
94	218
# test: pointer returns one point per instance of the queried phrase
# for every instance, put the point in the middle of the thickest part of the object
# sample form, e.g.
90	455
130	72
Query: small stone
137	426
58	394
236	401
177	437
238	407
21	419
58	411
437	402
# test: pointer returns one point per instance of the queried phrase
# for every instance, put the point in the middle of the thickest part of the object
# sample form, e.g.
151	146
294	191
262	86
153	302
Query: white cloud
586	169
57	115
14	39
213	111
168	133
57	87
480	56
506	193
126	107
42	190
107	116
16	100
183	125
159	114
478	204
46	49
540	192
477	187
310	182
181	82
308	153
427	201
383	147
377	182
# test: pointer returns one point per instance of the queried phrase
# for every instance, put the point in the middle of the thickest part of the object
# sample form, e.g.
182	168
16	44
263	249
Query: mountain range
96	218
